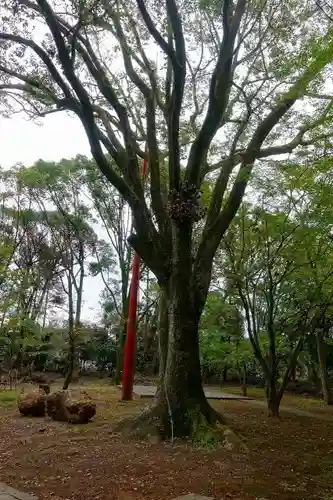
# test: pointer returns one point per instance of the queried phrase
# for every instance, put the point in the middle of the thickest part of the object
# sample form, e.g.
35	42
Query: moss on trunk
180	408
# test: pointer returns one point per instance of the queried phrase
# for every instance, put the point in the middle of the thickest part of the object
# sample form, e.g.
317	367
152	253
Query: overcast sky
59	136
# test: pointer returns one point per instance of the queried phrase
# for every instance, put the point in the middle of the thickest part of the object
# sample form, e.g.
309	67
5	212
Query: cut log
32	403
64	407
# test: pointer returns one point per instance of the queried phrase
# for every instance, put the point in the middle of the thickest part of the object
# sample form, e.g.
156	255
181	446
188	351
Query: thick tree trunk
180	408
183	389
180	404
325	383
163	332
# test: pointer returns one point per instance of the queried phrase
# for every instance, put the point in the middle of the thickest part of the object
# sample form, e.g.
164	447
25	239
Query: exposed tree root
201	424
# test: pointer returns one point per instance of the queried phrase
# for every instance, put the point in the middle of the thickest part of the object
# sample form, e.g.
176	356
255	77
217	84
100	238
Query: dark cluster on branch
185	204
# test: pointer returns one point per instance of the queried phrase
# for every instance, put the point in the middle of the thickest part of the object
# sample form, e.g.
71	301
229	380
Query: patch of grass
314	405
8	397
252	392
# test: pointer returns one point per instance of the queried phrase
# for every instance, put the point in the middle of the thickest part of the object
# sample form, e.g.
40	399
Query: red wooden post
130	346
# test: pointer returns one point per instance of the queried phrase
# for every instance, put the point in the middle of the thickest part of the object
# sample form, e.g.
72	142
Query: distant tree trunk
120	351
244	380
225	373
273	399
325	384
155	363
312	374
71	362
71	336
274	394
125	294
204	373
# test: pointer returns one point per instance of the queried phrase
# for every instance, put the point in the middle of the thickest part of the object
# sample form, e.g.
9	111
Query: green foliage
8	397
222	341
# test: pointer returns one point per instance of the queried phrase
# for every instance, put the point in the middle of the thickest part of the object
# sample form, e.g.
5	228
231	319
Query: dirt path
293	411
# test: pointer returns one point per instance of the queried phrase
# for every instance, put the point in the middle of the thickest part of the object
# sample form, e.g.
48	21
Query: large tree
212	87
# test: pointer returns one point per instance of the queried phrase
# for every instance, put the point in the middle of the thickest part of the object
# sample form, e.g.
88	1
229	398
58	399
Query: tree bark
312	373
180	402
183	389
244	380
180	407
120	350
71	337
325	384
273	403
273	397
71	362
163	332
293	374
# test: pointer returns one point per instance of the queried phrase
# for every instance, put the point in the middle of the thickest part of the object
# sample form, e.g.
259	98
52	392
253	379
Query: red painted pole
130	346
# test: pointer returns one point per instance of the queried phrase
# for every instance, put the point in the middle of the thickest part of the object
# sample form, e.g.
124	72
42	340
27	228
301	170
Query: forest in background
268	319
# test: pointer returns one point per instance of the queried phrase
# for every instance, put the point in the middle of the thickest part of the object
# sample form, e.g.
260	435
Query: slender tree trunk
71	363
71	336
124	268
273	400
325	384
312	374
155	363
275	395
244	380
293	374
120	351
45	308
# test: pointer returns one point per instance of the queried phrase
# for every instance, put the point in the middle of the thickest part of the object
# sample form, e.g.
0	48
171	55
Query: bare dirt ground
288	459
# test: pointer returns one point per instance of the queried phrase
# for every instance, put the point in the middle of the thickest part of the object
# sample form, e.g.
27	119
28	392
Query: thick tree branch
155	187
132	52
212	235
281	149
126	52
154	168
165	46
86	110
44	57
176	99
129	164
218	94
